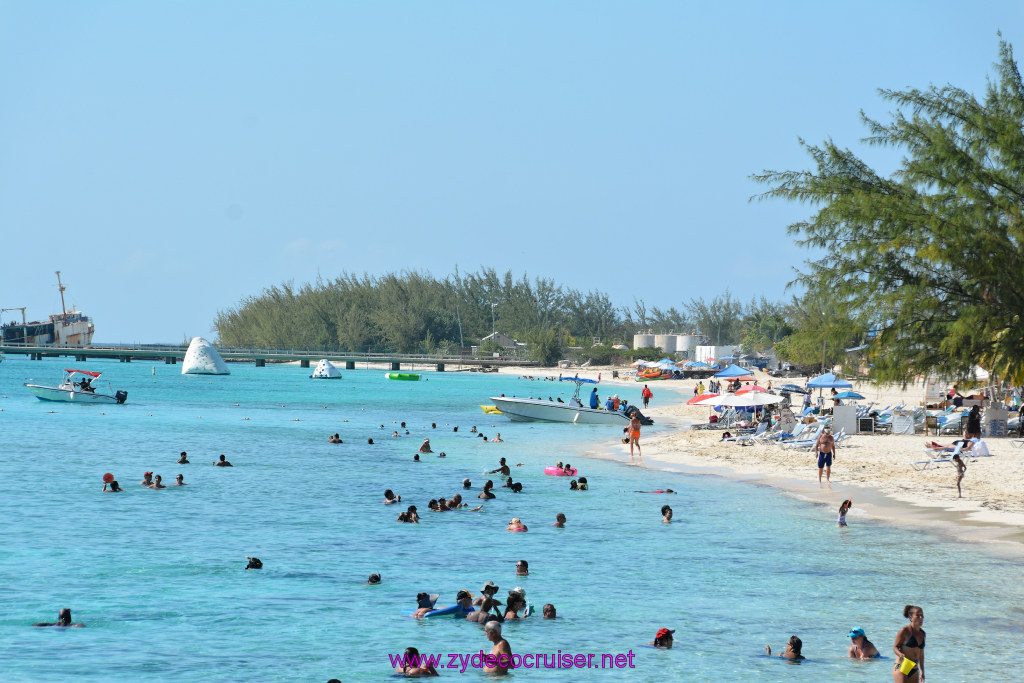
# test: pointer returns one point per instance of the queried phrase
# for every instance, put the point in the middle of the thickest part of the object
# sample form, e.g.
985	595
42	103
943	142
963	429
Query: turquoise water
158	579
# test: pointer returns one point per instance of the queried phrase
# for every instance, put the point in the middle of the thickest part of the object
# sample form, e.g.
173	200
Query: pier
171	355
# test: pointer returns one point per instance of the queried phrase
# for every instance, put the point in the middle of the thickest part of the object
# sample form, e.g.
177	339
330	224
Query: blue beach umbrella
849	394
829	381
736	371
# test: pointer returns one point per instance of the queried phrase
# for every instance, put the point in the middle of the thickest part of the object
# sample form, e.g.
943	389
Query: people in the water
222	462
663	639
502	469
548	611
373	580
147	479
183	459
486	493
583	484
409	670
860	646
63	620
522	567
180	480
666	514
497	438
466	483
254	563
157	483
334	438
516	525
793	647
390	497
559	521
114	487
425	446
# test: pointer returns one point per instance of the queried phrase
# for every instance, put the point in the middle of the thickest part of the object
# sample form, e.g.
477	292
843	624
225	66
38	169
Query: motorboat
543	410
78	386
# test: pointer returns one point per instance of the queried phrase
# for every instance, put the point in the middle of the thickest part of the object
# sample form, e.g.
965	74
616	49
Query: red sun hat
662	633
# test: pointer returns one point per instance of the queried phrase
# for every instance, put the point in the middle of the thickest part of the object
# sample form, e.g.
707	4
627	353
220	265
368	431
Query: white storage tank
687	342
643	341
666	342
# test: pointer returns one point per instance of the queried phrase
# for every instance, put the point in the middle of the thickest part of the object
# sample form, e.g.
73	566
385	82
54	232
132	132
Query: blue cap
857	632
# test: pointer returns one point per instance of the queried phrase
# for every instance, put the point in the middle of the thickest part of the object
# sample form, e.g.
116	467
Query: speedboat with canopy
78	386
542	410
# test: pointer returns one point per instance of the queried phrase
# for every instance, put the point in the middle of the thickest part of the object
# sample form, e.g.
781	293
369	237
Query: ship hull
537	410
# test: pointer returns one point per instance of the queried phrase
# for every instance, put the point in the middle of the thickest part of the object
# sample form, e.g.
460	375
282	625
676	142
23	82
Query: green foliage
932	256
721	319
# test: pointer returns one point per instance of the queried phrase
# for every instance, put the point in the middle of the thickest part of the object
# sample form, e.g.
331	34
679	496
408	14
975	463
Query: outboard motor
121	396
644	420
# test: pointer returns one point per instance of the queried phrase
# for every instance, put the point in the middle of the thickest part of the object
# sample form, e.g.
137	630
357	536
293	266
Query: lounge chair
749	438
946	456
804	443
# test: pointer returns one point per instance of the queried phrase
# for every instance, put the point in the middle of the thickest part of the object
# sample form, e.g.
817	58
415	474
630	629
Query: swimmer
861	647
63	620
567	470
222	462
114	487
522	568
497	439
456	428
516	487
657	491
408	670
472	429
416	458
180	480
432	505
516	525
502	468
414	516
334	438
486	493
666	514
483	615
583	484
559	521
395	433
466	483
520	464
548	611
910	645
425	446
147	479
254	563
516	601
373	580
442	454
369	442
183	460
574	485
507	484
843	509
485	438
424	603
403	517
489	590
663	639
792	651
157	483
389	497
501	653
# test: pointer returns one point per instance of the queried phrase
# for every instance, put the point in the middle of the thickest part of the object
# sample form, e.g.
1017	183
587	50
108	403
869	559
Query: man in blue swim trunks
825	447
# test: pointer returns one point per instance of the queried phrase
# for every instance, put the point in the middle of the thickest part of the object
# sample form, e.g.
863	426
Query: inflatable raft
405	376
553	471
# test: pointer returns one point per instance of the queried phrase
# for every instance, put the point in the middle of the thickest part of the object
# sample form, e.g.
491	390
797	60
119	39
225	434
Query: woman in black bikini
910	645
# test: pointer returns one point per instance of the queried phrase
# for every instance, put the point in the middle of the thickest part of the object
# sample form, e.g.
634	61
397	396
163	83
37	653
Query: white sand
873	470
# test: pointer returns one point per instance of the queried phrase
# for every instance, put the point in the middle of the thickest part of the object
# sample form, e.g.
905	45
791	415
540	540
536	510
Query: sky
173	158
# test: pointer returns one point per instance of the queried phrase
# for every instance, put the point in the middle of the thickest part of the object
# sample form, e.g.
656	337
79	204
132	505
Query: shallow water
157	576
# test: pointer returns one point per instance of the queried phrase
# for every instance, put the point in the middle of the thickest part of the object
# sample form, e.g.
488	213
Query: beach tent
734	371
325	370
829	381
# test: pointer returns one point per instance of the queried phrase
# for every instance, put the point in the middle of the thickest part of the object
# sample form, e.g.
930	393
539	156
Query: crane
17	308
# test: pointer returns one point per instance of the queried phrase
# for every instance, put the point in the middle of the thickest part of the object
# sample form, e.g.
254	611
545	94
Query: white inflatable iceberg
325	370
202	359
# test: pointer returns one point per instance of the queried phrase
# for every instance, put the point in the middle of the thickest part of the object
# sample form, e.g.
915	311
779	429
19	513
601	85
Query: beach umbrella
829	381
849	394
741	400
697	399
752	387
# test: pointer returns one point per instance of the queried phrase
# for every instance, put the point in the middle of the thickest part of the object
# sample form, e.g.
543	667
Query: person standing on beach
634	437
646	394
825	447
961	468
972	430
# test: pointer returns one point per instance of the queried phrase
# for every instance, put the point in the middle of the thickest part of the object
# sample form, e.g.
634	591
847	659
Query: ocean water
158	578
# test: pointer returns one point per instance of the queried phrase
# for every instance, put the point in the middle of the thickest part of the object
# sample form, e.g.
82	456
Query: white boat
542	410
76	387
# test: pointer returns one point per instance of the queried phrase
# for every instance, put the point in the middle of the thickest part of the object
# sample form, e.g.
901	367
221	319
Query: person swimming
114	487
861	647
147	479
663	639
157	483
516	525
792	651
63	620
559	521
666	514
486	493
180	480
389	497
183	460
373	580
254	563
583	484
222	462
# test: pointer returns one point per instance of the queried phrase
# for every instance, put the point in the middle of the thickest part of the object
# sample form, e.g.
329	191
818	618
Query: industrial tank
643	341
666	342
687	342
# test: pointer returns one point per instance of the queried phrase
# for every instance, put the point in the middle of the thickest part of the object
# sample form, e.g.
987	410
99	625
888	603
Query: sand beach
874	470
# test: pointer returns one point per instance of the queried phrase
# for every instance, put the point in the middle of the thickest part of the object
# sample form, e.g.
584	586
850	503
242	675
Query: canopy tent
829	381
732	372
